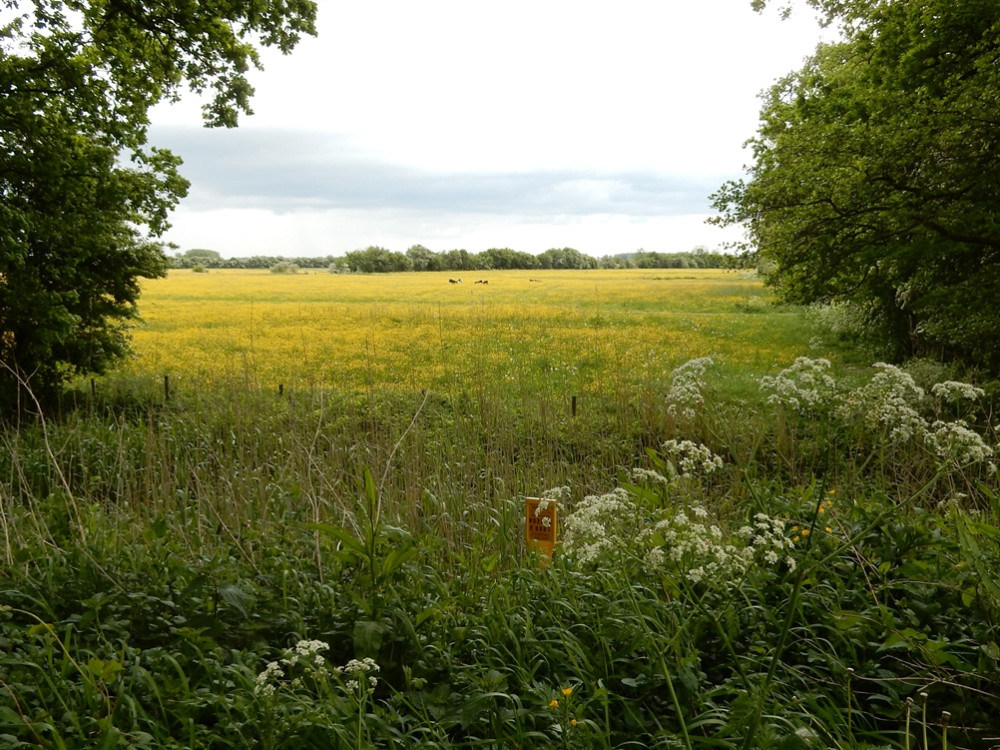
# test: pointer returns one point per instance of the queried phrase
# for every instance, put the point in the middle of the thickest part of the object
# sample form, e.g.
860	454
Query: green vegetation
875	176
808	566
84	196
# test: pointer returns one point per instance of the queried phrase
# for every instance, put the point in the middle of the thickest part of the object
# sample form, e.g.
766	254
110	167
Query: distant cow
454	281
482	281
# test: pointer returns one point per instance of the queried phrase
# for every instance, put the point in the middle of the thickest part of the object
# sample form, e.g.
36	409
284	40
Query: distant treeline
418	258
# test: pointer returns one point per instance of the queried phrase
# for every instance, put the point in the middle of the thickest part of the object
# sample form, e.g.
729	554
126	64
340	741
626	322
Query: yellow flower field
585	331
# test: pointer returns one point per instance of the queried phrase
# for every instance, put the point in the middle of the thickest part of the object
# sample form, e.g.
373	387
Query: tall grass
744	564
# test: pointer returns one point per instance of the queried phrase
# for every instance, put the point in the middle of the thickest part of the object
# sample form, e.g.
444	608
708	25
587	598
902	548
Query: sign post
540	525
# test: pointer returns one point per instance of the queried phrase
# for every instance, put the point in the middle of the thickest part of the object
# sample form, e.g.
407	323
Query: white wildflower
955	444
804	387
952	390
552	496
264	684
888	401
692	459
647	476
685	387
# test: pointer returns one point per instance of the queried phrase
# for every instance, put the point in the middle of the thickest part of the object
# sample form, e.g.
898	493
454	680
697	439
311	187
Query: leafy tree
83	197
505	258
374	259
565	257
423	259
459	260
876	175
199	257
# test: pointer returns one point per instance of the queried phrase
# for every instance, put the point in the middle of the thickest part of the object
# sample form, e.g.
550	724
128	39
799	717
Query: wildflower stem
779	649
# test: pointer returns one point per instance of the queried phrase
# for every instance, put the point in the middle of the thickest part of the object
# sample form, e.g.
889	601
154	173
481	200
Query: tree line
374	259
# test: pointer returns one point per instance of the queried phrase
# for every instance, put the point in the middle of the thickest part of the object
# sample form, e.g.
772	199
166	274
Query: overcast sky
529	124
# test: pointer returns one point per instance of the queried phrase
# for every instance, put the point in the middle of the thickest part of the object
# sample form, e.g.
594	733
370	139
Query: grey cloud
286	170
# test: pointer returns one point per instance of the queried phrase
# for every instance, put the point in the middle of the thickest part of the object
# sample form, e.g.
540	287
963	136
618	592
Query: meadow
542	331
315	537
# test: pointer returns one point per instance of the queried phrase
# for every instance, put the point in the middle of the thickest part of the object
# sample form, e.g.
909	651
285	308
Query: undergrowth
810	568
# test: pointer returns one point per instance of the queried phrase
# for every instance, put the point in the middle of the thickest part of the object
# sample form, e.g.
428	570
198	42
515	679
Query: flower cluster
306	656
305	653
702	552
954	444
692	459
953	390
607	527
640	475
888	401
552	496
804	387
361	672
685	387
601	526
267	680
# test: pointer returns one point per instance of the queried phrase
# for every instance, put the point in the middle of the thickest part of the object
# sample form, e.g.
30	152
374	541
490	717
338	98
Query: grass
570	332
742	564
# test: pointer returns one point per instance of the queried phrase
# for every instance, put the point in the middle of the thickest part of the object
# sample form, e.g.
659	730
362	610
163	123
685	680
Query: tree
504	258
566	257
199	257
83	196
876	176
374	259
423	259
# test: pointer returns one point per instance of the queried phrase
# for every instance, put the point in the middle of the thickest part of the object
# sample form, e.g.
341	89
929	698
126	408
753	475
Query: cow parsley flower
804	387
692	459
685	387
889	402
266	682
954	444
307	652
952	390
599	525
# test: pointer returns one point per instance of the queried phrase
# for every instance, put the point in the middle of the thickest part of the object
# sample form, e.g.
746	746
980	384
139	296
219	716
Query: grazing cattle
454	281
482	281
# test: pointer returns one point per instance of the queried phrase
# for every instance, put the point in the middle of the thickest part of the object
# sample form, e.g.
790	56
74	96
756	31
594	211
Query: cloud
286	170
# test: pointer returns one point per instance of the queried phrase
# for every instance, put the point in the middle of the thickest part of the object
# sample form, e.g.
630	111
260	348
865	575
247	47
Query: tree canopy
83	196
876	175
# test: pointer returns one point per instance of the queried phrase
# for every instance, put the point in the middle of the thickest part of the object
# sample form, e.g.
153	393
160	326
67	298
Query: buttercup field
538	332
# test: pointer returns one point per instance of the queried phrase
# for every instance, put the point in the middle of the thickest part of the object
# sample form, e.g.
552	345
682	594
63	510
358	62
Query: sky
528	124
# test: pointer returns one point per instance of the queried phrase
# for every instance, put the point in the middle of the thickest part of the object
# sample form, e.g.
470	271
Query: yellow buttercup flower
567	691
553	703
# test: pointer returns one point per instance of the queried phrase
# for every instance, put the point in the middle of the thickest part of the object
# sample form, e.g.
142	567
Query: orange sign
540	524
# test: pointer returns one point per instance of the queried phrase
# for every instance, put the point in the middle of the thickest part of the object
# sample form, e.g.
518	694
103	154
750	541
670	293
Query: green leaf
367	638
237	598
